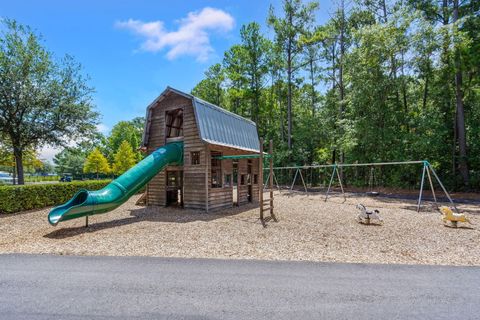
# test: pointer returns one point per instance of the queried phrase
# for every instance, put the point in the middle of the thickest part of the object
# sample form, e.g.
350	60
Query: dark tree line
380	81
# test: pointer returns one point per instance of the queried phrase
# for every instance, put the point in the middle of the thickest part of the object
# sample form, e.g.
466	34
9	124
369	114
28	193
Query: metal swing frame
427	172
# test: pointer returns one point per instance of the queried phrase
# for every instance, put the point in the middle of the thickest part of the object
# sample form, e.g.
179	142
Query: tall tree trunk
340	79
312	81
289	74
289	100
334	75
425	92
18	153
14	173
460	118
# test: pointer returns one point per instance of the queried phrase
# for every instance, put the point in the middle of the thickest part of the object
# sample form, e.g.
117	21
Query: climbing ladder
266	204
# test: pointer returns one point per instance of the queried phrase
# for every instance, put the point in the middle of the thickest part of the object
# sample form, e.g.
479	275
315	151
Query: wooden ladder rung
267	208
267	200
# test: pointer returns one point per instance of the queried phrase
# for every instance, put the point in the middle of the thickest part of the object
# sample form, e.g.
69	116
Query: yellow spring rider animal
451	218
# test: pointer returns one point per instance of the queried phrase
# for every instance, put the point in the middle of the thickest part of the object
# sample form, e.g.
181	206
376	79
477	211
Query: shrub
27	197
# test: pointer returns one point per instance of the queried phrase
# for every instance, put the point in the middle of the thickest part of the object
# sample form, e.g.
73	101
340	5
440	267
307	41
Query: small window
228	181
242	179
255	179
216	170
174	178
195	157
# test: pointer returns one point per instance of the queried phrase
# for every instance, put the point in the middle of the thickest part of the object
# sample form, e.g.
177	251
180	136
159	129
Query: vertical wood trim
260	182
207	168
270	151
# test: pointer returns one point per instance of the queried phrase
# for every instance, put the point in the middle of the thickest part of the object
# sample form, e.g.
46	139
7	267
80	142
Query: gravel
308	229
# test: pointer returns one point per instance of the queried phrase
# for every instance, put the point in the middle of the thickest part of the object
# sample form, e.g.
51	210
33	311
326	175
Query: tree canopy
43	101
96	163
124	159
379	81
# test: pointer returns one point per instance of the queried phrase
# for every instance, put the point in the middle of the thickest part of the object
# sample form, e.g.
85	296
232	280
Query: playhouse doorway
175	188
235	182
249	181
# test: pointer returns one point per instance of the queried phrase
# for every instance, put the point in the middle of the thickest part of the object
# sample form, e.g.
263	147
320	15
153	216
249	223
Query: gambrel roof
215	124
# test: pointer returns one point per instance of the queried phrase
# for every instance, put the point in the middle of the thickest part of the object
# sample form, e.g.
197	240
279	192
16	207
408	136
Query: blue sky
132	50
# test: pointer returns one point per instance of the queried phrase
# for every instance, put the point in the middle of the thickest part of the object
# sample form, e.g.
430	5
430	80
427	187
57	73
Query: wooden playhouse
214	174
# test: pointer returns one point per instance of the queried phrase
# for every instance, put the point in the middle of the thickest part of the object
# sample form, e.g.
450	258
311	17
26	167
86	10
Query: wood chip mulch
309	229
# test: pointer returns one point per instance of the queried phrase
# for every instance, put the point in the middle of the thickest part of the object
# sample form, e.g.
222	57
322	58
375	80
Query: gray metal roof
217	125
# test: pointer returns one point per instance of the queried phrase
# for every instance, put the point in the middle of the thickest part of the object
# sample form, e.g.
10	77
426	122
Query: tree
288	31
130	131
211	88
125	158
96	163
45	169
42	101
379	81
460	111
70	160
234	66
256	65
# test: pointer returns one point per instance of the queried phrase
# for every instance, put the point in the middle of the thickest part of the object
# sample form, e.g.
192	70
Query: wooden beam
260	190
270	152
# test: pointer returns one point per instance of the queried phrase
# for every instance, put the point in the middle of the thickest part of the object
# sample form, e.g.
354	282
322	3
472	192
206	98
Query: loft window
174	123
255	179
242	179
195	157
216	170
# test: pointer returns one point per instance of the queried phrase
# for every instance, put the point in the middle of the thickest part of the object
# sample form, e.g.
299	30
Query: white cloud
192	37
102	128
48	153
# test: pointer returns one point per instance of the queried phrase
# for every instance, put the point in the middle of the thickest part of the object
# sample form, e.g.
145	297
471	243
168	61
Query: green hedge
27	197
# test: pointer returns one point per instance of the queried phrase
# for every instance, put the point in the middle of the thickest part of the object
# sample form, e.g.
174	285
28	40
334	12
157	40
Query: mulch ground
309	229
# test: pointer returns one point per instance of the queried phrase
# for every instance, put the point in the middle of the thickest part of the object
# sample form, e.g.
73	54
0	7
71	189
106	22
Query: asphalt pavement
73	287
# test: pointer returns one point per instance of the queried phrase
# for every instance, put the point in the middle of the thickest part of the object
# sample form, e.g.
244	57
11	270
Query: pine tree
96	163
124	158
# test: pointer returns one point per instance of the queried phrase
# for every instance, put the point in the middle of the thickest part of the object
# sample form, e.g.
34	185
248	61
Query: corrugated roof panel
219	126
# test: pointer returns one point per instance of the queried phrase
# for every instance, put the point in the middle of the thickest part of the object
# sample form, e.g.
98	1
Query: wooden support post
260	172
270	152
86	221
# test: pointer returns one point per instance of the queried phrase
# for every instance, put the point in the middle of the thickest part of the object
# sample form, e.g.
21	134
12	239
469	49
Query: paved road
68	287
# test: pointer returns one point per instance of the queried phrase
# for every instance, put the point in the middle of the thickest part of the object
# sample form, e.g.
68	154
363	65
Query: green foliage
52	103
210	89
70	160
379	81
96	163
124	158
28	197
130	131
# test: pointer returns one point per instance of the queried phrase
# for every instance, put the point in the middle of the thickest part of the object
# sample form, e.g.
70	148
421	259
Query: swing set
427	172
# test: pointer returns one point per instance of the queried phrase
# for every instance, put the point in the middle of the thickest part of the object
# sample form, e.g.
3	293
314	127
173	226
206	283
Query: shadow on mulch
168	215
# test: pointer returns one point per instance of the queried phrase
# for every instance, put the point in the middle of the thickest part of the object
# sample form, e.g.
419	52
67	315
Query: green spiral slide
86	203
